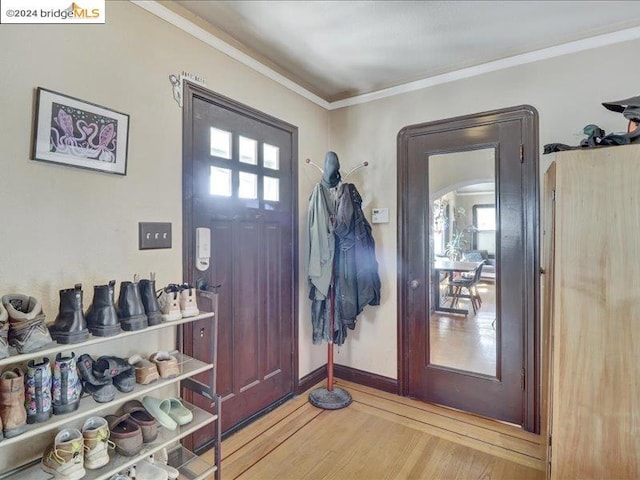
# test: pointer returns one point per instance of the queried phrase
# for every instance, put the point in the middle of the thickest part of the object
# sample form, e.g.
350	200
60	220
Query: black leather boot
130	308
150	301
102	318
70	325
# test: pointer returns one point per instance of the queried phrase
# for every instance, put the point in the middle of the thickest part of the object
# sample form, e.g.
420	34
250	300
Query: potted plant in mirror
455	246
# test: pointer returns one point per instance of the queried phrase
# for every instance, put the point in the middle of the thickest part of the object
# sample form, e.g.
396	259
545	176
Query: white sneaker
96	442
169	301
64	457
160	460
149	471
188	305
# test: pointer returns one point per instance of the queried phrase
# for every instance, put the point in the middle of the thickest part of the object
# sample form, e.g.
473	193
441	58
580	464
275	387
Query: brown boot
12	411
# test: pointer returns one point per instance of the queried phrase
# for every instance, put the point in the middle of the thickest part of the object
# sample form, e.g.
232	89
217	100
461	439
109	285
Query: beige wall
566	91
62	225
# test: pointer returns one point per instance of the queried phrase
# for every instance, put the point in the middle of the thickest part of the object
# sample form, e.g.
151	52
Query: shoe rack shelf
93	340
119	463
192	466
89	407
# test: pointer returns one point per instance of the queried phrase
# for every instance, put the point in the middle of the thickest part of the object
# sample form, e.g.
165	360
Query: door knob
414	284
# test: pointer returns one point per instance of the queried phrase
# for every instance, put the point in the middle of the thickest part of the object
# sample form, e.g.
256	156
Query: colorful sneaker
169	301
38	383
96	442
64	458
27	331
67	387
188	304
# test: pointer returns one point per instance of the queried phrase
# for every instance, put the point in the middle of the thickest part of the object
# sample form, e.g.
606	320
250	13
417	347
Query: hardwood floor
379	436
467	342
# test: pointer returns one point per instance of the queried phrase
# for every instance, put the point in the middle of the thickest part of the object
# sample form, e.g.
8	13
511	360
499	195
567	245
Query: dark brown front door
508	391
240	183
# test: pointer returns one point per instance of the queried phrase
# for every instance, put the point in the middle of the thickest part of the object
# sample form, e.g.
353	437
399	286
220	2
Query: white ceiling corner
351	52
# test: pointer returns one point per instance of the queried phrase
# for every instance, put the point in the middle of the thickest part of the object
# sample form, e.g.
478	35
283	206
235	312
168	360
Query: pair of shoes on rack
154	467
22	325
160	365
150	469
51	390
132	427
178	301
101	378
169	412
102	375
126	434
137	304
72	450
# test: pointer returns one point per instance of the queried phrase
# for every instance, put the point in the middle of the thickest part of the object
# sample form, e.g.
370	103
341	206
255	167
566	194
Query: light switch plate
152	235
379	215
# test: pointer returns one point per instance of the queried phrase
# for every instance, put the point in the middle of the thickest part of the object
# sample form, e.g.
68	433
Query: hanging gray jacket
321	254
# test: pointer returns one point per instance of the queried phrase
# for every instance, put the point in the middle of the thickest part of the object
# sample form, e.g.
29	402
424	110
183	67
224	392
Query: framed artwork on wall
70	131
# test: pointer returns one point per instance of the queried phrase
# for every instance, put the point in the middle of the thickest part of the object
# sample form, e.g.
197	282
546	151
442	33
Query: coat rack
331	397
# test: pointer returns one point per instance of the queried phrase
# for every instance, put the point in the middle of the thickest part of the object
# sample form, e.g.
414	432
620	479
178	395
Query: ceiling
341	49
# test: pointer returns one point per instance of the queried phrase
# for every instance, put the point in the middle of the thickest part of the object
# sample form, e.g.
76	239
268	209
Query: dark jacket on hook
356	277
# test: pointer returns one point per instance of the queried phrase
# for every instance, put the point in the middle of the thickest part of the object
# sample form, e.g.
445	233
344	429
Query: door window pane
248	150
271	189
220	143
248	187
271	156
220	182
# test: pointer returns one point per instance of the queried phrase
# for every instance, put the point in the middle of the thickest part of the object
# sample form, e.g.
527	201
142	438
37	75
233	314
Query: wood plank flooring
379	436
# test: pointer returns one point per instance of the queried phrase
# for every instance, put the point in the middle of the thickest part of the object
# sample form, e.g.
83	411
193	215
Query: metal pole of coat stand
330	398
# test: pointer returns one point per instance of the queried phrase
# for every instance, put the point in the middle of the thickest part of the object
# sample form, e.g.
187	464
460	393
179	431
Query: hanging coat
321	255
356	278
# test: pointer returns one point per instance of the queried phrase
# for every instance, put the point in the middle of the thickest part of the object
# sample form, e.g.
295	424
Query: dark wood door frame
528	115
190	92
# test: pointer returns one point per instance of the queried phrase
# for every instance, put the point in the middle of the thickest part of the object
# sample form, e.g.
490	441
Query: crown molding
201	34
189	27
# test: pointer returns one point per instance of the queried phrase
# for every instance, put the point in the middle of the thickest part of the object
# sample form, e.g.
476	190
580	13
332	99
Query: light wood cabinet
592	307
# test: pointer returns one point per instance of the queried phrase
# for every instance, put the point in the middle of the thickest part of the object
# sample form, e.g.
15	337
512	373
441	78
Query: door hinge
521	153
553	195
523	376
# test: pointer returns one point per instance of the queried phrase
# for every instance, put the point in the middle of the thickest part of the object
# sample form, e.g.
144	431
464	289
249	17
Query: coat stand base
330	400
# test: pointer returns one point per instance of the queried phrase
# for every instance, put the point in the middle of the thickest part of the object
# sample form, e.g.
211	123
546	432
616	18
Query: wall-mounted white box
379	215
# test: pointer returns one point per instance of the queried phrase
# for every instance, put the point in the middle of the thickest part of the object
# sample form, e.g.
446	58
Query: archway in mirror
463	225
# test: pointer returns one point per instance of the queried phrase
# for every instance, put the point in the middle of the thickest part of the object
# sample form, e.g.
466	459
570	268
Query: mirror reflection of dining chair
471	284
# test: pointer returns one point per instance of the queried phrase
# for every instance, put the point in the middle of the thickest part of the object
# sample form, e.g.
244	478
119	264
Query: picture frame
77	133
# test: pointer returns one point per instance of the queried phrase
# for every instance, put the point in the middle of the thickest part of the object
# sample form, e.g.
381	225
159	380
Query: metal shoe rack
189	465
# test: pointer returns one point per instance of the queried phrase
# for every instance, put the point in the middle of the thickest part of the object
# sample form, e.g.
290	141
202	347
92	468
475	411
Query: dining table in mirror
463	261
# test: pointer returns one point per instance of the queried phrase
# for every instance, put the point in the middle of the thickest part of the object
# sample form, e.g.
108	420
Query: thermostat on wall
379	215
